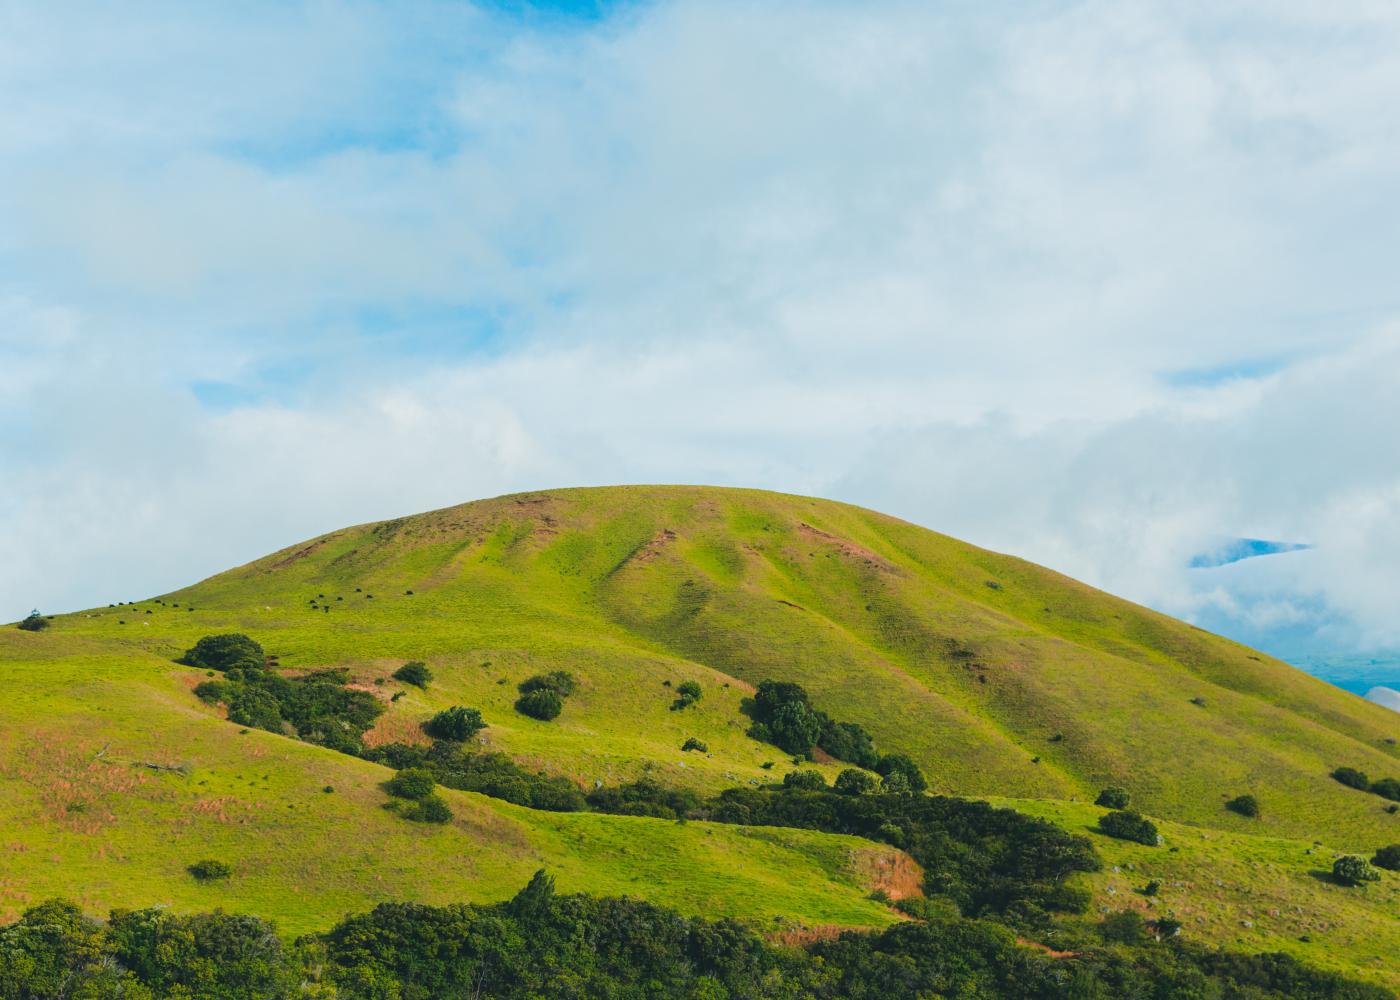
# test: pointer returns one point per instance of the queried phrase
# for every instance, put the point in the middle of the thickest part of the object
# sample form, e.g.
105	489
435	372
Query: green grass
83	817
1243	891
971	662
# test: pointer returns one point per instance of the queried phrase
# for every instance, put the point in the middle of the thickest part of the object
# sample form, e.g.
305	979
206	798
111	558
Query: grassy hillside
84	816
973	663
999	677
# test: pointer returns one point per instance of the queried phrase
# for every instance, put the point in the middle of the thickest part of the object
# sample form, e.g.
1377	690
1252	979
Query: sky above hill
1107	285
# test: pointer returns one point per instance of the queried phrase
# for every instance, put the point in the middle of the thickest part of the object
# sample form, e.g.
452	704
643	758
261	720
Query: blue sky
1101	284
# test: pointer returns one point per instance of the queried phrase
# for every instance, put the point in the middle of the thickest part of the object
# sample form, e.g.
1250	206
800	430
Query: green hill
1000	678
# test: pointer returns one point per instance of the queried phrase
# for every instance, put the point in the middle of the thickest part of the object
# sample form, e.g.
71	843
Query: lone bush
805	779
1352	778
854	782
34	622
689	693
1245	805
228	651
1388	857
561	682
1124	927
542	703
1127	825
1351	870
457	724
411	783
692	743
1113	797
1387	788
415	673
209	869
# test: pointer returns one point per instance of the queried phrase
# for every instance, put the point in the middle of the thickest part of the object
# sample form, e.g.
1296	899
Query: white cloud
944	262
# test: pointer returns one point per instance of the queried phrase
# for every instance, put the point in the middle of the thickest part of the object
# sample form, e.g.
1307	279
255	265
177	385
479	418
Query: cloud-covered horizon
1094	283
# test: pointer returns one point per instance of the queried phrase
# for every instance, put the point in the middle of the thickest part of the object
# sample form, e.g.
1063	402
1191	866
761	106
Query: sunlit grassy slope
1245	892
1000	677
972	662
82	815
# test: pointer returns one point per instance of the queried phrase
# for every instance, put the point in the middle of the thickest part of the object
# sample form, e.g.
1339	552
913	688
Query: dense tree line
540	944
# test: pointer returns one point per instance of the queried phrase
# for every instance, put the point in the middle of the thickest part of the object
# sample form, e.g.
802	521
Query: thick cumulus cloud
1095	283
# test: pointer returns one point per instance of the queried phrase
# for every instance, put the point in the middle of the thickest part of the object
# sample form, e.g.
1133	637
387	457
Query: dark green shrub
1113	797
1387	788
415	673
892	763
854	782
1388	857
428	809
211	691
209	869
561	682
1124	927
1352	870
457	723
1352	778
227	651
541	703
1128	825
895	783
1245	805
891	833
1167	927
794	727
1152	888
689	693
411	783
805	779
34	622
850	742
692	743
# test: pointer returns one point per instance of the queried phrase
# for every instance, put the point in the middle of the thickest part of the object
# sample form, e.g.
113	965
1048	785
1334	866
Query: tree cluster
543	944
784	716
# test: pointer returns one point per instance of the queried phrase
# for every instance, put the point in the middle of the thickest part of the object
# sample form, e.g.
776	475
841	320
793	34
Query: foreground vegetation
539	944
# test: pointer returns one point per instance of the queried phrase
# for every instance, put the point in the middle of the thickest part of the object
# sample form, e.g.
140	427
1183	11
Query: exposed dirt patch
654	547
895	872
396	729
299	554
846	547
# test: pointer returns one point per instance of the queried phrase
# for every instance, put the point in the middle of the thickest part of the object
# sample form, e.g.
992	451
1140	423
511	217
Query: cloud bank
1094	283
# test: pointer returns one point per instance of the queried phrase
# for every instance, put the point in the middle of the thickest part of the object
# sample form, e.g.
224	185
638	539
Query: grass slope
973	663
83	817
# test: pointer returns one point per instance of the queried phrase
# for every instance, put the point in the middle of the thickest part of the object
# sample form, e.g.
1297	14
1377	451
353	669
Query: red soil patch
299	554
846	547
652	548
895	872
396	729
